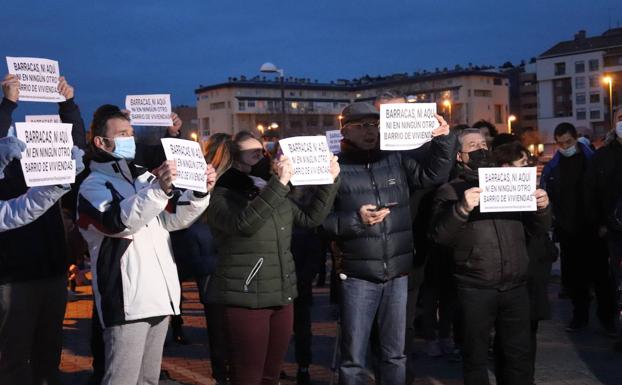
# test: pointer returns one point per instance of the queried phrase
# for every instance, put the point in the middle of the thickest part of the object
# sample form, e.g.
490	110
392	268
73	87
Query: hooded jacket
125	217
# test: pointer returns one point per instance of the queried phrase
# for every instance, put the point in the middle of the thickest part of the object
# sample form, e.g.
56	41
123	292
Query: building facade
313	108
570	85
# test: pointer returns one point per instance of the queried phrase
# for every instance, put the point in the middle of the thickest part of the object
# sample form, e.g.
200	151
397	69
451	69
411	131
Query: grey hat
357	111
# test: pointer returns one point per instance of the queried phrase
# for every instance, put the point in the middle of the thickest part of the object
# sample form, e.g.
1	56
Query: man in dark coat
373	227
584	256
490	257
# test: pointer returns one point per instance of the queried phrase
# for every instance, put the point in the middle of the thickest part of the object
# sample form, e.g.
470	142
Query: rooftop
581	43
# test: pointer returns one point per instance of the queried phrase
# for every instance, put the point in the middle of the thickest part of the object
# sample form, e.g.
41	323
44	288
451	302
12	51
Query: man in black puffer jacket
490	257
373	227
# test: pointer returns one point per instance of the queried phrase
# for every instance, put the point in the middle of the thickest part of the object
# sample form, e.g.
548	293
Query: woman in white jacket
125	214
36	201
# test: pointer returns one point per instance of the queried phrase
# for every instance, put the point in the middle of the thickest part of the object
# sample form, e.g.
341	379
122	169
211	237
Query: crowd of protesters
403	228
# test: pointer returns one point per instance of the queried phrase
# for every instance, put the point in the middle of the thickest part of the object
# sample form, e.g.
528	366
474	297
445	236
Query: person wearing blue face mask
583	256
125	214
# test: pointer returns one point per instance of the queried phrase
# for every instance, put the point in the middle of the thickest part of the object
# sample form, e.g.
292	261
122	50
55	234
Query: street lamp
271	68
411	98
194	136
511	119
260	128
609	80
447	104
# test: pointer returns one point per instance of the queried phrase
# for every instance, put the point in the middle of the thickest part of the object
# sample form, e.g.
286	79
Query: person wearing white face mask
605	193
125	214
584	258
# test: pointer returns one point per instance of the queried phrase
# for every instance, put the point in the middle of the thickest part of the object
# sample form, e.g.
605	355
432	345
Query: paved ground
578	359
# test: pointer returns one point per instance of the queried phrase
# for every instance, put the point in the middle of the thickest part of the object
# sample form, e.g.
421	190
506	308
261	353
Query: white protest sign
43	119
38	78
507	189
149	110
406	126
310	158
191	164
47	159
334	141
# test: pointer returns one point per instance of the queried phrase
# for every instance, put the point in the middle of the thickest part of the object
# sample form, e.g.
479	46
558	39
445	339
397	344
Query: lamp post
511	119
271	68
447	104
609	80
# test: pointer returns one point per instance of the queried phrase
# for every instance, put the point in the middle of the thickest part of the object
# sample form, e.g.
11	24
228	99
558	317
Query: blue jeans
362	302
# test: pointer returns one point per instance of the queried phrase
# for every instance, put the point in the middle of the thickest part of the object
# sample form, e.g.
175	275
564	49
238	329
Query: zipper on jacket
382	224
252	274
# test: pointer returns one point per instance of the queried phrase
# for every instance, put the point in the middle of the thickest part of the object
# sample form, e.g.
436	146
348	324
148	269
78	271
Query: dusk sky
108	49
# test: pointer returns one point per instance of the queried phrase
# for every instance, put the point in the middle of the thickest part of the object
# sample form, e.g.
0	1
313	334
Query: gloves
10	148
77	154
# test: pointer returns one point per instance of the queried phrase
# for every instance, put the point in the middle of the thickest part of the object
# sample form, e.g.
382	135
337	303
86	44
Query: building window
498	114
241	105
482	93
593	65
217	106
250	104
560	69
562	98
612	61
581	114
580	98
579	82
594	114
579	67
594	98
594	83
497	82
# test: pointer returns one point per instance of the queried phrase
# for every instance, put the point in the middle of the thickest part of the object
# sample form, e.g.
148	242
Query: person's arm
313	215
449	216
70	113
436	169
183	210
26	208
10	89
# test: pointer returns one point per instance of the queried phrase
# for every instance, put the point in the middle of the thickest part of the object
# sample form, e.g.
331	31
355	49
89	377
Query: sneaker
433	349
447	345
576	325
303	377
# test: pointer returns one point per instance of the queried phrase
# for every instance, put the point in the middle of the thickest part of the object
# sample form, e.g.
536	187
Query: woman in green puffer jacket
251	220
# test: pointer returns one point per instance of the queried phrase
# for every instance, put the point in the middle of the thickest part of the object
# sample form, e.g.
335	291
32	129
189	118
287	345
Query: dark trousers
508	312
302	320
500	356
31	331
218	349
257	340
585	263
98	350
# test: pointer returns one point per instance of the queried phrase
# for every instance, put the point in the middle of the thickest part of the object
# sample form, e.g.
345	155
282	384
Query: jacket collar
238	181
105	163
352	154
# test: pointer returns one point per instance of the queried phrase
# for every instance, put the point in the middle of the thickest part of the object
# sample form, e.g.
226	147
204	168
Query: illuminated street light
411	98
447	104
511	119
194	136
609	80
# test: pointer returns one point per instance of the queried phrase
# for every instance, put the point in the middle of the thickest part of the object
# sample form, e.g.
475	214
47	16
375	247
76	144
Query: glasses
359	126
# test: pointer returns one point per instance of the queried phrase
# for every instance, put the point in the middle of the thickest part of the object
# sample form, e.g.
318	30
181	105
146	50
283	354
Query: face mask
479	158
568	152
619	129
261	169
269	146
124	147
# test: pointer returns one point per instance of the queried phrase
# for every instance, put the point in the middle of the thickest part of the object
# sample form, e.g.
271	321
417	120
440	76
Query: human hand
441	130
10	88
542	199
371	216
211	177
77	154
334	167
284	169
166	174
470	200
176	127
65	88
